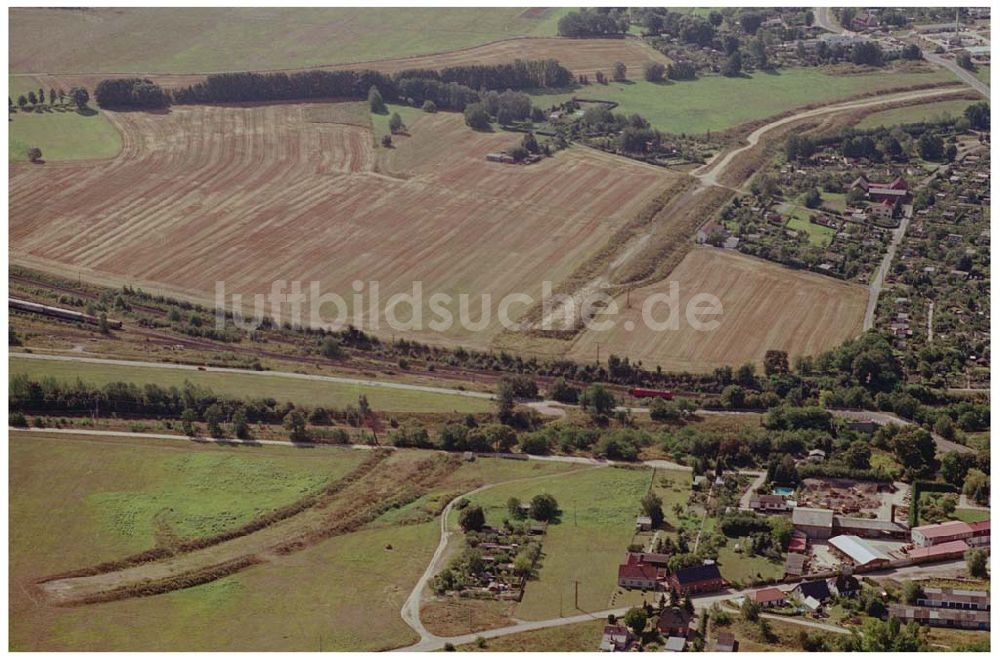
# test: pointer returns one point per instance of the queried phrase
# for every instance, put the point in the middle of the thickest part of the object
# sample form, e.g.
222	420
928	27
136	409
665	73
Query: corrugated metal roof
860	551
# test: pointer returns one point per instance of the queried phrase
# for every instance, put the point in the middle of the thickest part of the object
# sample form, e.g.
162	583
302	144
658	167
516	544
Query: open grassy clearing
573	637
739	568
916	113
90	500
715	103
331	591
263	384
983	73
330	595
180	40
798	220
296	200
62	133
598	520
764	306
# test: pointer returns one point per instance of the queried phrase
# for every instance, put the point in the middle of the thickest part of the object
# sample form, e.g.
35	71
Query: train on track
60	313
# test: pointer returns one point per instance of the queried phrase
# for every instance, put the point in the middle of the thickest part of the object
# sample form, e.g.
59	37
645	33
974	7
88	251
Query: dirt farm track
249	195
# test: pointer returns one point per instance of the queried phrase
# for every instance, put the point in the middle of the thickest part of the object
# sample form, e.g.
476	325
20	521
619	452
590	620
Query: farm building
798	542
953	530
942	617
959	599
674	621
939	552
795	564
869	527
654	558
616	638
858	551
499	157
697	579
725	643
769	597
814	523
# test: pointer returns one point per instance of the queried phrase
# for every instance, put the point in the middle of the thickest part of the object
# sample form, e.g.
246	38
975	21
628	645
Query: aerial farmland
499	329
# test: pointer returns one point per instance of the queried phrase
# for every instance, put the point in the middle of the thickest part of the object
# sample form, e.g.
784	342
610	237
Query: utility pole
576	594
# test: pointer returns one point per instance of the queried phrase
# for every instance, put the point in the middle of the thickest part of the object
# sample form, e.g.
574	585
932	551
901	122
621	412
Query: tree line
450	88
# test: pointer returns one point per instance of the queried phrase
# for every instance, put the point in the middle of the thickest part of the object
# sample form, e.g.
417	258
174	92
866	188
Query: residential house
769	597
769	503
634	574
817	589
674	621
846	586
616	638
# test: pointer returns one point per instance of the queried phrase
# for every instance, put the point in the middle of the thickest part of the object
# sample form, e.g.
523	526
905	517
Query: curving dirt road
710	173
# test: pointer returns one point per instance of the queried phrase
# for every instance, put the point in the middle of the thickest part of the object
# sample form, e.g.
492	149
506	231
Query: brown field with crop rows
765	306
249	195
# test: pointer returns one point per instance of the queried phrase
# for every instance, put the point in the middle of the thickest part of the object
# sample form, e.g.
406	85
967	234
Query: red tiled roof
981	526
949	528
767	595
948	548
638	572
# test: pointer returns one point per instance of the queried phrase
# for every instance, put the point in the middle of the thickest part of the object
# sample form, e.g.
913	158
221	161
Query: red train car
645	393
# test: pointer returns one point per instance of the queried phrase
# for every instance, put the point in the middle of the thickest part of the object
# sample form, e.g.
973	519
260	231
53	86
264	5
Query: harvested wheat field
764	306
581	56
250	195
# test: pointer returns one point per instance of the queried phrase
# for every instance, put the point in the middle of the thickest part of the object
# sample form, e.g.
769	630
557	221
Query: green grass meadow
599	507
916	113
96	501
77	502
61	133
283	388
798	220
715	103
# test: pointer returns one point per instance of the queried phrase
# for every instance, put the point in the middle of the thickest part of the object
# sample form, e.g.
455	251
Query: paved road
943	445
825	19
758	481
263	374
965	76
944	569
411	608
878	279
